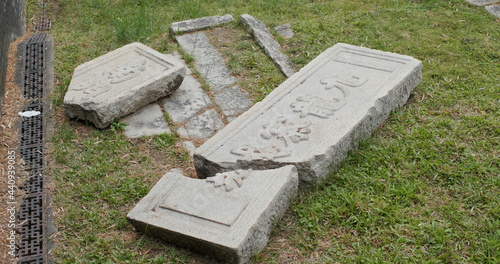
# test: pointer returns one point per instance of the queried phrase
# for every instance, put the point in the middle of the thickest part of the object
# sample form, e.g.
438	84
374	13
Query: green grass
424	188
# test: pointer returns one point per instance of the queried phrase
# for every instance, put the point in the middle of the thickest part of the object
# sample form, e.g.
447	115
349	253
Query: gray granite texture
202	126
316	117
147	121
121	82
284	30
494	10
232	101
267	42
228	216
482	2
199	24
207	60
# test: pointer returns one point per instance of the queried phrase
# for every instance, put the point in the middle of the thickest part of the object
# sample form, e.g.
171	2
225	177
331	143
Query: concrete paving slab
203	126
232	101
207	60
316	117
147	121
482	2
267	42
285	30
186	101
119	83
228	216
494	10
199	24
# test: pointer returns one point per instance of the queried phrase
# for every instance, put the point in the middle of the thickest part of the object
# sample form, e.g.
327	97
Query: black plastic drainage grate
32	220
34	56
33	260
34	184
43	24
33	83
32	132
33	156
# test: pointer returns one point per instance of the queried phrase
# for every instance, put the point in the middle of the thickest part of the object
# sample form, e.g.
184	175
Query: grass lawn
424	188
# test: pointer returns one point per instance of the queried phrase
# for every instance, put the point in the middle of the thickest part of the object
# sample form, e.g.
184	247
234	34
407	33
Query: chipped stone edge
213	21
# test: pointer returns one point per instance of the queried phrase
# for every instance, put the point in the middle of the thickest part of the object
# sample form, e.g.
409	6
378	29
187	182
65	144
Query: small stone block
199	23
284	30
316	117
147	121
186	101
267	42
481	2
228	216
121	82
494	10
204	125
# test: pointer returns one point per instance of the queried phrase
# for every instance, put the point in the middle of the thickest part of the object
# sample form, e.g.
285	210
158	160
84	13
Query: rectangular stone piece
316	117
120	82
199	23
228	216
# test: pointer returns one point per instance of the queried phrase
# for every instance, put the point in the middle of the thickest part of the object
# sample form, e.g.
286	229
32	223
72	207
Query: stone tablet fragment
267	42
121	82
316	117
147	121
199	23
228	216
481	2
494	10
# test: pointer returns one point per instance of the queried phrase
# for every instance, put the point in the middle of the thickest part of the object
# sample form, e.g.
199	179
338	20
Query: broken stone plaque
316	117
202	126
199	23
147	121
267	42
121	82
494	10
232	101
228	216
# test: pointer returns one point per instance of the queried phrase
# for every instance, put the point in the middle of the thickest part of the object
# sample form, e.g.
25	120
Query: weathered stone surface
228	216
147	121
190	147
284	30
207	60
481	2
119	83
202	126
199	23
316	117
186	101
267	42
494	10
232	101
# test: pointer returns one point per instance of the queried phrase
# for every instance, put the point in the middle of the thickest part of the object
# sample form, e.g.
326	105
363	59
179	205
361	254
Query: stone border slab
316	117
199	23
228	216
267	42
120	82
481	2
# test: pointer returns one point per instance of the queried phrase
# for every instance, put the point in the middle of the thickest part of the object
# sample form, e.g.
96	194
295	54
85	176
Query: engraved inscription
257	153
313	105
201	202
229	179
286	129
343	83
126	72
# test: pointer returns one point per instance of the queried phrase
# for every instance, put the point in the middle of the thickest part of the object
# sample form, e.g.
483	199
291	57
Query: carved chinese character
257	153
285	129
343	83
314	105
229	179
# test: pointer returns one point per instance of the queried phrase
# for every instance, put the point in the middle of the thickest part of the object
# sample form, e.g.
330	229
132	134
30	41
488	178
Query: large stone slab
188	100
481	2
121	82
199	23
228	216
147	121
316	117
494	10
207	60
202	126
232	101
267	42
